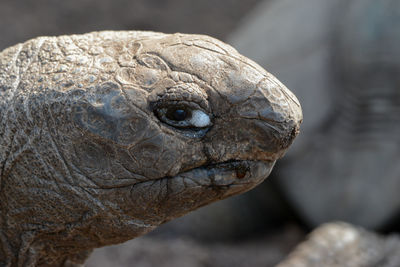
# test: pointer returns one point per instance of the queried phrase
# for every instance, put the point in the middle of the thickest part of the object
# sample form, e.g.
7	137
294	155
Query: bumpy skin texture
90	154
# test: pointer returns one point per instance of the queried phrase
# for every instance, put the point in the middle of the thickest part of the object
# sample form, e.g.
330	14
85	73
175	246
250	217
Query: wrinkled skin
90	154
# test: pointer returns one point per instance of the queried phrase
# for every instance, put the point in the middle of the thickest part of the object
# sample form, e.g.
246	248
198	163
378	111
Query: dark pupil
179	114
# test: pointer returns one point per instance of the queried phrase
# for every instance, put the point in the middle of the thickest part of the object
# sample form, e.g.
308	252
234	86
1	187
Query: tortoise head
186	121
140	128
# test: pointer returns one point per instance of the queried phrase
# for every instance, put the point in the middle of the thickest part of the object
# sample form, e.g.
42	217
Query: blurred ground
265	251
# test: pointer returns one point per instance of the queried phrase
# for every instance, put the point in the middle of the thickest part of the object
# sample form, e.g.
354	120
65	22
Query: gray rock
342	60
344	245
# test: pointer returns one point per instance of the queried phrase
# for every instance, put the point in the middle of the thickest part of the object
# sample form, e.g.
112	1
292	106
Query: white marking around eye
199	119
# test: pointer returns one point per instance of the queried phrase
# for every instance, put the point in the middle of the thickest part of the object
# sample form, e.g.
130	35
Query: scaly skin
92	152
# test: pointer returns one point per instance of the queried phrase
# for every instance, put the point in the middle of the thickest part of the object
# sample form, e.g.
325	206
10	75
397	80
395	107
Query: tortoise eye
183	116
178	114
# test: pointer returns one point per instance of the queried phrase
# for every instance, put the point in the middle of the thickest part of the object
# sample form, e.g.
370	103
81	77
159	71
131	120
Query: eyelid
187	92
168	103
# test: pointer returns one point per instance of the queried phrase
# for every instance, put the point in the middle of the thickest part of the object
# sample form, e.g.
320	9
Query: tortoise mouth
237	172
160	200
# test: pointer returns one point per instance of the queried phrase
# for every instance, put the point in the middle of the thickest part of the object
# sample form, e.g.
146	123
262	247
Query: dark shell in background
342	60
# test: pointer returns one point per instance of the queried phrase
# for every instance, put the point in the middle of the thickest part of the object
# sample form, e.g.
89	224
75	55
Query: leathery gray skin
106	135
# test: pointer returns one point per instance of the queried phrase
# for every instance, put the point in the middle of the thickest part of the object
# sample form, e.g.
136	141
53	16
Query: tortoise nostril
241	171
290	137
294	133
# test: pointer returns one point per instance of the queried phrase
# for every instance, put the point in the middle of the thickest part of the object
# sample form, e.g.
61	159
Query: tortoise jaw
239	173
171	197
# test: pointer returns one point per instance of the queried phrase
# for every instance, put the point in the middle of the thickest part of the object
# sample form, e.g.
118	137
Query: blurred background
342	60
